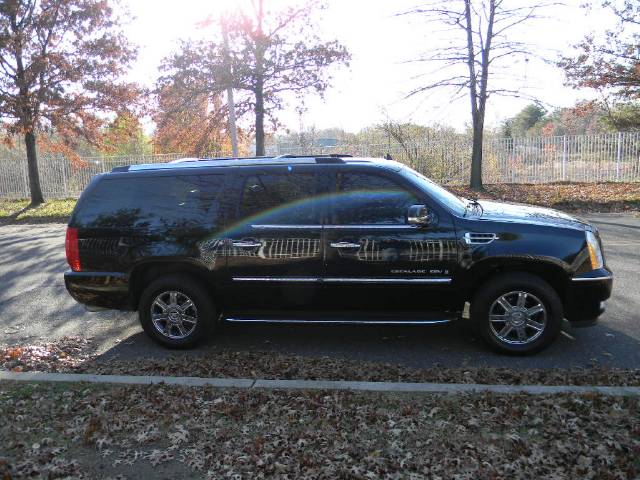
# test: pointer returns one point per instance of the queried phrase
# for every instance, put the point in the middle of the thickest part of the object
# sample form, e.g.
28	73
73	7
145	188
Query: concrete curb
244	383
127	379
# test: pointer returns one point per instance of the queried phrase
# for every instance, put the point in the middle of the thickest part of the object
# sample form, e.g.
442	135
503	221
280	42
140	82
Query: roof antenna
388	156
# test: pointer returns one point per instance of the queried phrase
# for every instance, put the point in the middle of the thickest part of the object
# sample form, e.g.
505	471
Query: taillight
71	249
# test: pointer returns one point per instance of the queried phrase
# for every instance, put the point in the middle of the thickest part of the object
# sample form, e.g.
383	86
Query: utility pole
231	104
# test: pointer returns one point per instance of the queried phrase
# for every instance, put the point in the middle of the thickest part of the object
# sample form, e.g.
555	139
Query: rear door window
280	199
153	203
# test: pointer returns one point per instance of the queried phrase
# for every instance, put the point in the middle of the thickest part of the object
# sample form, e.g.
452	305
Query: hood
511	212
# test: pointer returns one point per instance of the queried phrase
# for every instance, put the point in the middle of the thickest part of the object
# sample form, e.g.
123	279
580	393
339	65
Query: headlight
595	253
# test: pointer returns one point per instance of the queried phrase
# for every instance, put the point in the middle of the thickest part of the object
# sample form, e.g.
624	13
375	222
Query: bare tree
481	45
406	135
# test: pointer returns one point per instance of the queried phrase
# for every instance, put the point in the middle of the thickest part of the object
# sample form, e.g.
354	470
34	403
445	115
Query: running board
288	321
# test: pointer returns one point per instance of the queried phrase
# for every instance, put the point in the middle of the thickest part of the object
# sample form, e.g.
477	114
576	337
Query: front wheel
517	313
176	311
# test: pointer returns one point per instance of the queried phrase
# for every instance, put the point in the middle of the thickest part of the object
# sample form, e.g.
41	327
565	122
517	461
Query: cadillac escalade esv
326	239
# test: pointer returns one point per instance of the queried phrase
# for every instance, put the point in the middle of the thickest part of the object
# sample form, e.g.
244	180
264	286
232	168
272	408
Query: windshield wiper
475	205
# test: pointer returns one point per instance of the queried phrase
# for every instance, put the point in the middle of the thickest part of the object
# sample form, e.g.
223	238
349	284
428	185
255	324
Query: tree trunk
476	157
259	82
32	163
259	118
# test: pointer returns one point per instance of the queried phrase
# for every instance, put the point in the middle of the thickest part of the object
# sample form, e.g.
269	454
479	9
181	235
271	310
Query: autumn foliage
61	64
269	56
190	122
612	62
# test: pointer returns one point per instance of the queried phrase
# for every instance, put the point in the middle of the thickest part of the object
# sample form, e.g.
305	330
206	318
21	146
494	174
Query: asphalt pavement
35	306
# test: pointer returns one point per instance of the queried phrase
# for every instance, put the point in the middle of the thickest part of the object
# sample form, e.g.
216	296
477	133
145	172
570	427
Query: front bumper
586	296
98	290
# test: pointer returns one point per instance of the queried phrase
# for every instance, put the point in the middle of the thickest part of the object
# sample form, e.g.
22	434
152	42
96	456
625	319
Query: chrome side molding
286	227
276	279
344	280
299	321
592	279
380	226
385	280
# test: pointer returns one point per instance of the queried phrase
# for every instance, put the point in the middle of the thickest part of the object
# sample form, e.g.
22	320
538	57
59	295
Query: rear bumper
97	290
587	293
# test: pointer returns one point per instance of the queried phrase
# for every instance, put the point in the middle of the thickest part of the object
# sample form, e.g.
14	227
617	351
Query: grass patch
51	210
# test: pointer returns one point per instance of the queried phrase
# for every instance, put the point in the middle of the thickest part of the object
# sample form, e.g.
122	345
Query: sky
382	45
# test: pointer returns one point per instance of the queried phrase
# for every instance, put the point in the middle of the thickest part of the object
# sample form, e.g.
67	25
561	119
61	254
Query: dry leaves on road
60	355
73	354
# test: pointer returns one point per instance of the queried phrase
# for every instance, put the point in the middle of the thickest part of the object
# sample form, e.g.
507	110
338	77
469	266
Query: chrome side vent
475	238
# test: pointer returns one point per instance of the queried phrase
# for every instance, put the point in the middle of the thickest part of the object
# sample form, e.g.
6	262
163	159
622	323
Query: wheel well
144	274
554	275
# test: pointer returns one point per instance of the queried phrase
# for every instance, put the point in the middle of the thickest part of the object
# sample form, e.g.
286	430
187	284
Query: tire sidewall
528	283
197	294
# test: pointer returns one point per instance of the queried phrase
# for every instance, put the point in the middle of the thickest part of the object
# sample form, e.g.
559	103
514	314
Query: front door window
365	199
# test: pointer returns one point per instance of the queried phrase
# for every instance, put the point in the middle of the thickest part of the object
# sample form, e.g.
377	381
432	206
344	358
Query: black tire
203	307
508	285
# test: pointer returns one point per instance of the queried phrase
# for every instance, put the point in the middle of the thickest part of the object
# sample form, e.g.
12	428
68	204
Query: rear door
375	260
274	252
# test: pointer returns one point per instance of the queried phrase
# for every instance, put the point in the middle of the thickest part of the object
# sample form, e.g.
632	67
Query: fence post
618	156
564	159
64	177
25	177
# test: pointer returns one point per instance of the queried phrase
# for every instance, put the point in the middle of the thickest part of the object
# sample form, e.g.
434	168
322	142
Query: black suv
328	239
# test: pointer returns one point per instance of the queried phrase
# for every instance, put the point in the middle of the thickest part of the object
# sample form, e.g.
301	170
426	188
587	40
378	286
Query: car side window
280	199
368	199
180	202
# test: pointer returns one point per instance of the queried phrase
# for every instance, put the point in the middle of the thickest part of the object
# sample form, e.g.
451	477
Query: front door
376	261
274	252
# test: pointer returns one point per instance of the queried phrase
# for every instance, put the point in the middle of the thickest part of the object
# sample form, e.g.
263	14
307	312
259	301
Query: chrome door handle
345	245
246	244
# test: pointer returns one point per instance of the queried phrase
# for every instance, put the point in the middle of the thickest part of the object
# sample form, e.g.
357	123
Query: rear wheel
517	313
176	311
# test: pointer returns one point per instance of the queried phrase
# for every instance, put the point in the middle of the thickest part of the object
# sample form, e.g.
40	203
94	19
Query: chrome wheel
517	318
174	315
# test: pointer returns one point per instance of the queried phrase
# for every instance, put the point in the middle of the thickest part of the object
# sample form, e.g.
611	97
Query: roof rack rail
231	158
235	158
320	155
329	160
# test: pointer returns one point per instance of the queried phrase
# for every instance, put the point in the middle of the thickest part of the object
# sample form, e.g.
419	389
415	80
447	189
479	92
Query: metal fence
60	177
444	158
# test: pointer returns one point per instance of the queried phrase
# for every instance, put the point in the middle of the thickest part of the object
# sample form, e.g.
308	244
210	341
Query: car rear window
152	203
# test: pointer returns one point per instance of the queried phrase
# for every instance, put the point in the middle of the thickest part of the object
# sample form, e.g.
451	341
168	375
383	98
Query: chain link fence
444	158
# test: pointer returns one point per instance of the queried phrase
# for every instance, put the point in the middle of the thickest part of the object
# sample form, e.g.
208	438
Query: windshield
453	202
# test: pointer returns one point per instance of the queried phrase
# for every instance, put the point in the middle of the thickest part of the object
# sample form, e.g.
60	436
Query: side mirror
419	215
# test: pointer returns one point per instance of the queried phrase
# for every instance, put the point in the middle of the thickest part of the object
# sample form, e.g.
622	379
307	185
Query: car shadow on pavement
448	346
